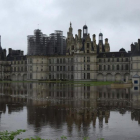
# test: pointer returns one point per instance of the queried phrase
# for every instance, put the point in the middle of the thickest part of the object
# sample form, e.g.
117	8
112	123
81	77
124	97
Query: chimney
0	40
94	37
22	52
79	33
10	50
4	51
106	41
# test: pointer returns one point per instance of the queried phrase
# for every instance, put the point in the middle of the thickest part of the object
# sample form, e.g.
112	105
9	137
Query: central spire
70	24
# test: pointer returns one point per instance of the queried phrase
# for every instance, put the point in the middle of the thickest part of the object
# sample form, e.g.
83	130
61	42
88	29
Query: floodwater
50	110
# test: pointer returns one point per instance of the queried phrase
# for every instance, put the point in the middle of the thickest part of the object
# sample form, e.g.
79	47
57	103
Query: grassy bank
90	83
5	135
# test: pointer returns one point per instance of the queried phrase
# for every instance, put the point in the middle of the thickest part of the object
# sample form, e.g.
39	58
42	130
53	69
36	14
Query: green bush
5	135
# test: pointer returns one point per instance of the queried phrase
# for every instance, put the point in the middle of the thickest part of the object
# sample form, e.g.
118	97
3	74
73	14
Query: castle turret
79	33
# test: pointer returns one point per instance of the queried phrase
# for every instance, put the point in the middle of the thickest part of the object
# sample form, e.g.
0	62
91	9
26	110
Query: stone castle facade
85	60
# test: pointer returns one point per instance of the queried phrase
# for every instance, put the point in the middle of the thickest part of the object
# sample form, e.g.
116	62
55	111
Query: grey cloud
117	19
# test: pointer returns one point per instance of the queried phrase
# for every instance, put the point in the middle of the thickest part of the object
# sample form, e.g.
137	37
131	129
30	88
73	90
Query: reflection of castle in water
56	103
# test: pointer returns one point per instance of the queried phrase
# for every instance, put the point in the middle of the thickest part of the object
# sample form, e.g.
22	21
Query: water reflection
57	105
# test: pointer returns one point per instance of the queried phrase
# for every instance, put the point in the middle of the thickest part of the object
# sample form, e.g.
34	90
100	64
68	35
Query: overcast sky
118	20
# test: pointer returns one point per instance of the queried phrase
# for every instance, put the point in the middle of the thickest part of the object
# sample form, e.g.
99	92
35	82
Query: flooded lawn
50	110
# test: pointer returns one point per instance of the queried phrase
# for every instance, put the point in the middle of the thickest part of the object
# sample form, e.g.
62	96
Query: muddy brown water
50	110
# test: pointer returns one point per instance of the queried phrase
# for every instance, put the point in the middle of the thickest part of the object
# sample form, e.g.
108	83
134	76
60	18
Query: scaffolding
41	44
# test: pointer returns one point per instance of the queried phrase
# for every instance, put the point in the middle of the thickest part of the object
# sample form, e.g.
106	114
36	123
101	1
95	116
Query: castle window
72	68
108	67
88	45
117	67
126	59
71	76
57	68
88	75
49	76
63	60
126	66
30	75
30	60
60	60
99	60
63	68
117	59
87	51
108	60
49	68
49	61
57	60
122	67
88	59
72	47
88	67
104	67
100	67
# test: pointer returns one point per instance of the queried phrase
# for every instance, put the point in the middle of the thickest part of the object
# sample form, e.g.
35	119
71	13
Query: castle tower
85	31
69	33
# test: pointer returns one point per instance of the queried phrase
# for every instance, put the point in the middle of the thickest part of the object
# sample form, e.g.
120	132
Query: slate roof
113	54
15	57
